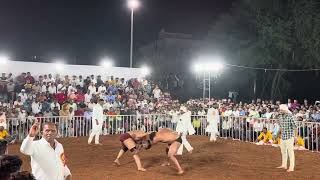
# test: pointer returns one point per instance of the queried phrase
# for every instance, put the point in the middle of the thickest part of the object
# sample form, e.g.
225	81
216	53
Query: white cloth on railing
213	119
184	124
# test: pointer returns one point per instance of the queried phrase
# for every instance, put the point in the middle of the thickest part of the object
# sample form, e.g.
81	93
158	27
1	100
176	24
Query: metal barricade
240	128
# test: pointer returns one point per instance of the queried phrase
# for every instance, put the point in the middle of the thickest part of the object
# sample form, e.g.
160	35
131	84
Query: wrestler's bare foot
191	151
142	169
116	162
180	172
165	164
281	167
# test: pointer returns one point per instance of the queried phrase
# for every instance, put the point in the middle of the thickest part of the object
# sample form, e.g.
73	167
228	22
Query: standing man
184	127
48	161
213	119
97	122
289	132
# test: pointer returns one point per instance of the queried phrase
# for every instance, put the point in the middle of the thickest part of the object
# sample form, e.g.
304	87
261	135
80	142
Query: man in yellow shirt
5	139
299	144
265	137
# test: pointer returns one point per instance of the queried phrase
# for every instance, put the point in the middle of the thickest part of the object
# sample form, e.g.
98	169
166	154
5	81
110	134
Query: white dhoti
185	143
213	120
97	115
95	132
184	127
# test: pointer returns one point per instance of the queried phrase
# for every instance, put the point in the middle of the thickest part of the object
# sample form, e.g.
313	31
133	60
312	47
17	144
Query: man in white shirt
156	92
80	81
213	119
55	104
93	79
87	97
44	88
92	89
48	160
73	105
61	88
51	79
23	96
36	107
97	122
91	105
52	88
102	89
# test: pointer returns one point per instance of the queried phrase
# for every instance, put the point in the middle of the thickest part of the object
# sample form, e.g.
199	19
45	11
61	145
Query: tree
270	34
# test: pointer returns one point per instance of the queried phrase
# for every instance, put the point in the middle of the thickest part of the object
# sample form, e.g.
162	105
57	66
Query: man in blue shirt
110	98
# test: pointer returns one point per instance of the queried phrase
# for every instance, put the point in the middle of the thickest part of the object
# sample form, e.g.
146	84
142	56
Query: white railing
237	128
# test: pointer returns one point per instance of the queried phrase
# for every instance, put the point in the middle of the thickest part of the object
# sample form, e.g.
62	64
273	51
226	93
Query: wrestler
132	141
172	139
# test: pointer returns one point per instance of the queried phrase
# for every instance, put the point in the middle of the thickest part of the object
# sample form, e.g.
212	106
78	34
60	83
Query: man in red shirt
61	98
80	96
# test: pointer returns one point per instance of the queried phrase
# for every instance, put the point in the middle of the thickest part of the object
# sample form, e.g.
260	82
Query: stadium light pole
206	69
132	4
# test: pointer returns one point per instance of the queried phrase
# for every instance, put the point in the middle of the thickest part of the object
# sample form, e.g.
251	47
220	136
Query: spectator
9	164
265	137
3	120
23	95
52	89
156	92
22	175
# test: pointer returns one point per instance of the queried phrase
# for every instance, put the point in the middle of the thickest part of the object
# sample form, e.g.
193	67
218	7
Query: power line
273	69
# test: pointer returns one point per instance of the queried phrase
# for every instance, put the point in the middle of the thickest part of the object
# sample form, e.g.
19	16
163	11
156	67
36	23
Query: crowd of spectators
25	98
267	109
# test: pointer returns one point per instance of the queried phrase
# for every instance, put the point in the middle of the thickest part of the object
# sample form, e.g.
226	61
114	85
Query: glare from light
133	4
3	60
208	67
208	63
145	70
106	63
59	65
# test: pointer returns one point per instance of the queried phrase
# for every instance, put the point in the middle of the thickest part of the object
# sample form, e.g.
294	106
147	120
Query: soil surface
225	159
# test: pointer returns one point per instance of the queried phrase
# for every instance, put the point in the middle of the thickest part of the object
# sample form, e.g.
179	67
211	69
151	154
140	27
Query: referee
289	132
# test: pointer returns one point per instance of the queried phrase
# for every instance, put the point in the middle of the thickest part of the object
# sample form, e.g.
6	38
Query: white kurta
184	127
184	124
97	114
213	119
46	163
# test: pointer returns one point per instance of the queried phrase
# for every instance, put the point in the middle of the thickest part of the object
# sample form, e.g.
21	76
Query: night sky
83	31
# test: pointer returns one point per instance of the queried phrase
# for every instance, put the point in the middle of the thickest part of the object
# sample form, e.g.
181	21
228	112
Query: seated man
265	137
299	144
5	139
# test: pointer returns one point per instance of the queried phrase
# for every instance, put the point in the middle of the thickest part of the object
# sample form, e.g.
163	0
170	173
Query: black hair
9	164
152	135
23	175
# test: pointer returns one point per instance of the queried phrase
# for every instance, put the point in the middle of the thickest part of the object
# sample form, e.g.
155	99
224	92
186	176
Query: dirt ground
225	159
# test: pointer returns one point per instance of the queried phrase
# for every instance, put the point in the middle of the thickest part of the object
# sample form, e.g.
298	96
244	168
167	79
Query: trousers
287	150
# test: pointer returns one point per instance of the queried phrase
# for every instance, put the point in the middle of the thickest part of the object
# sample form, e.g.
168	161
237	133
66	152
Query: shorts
124	137
179	140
